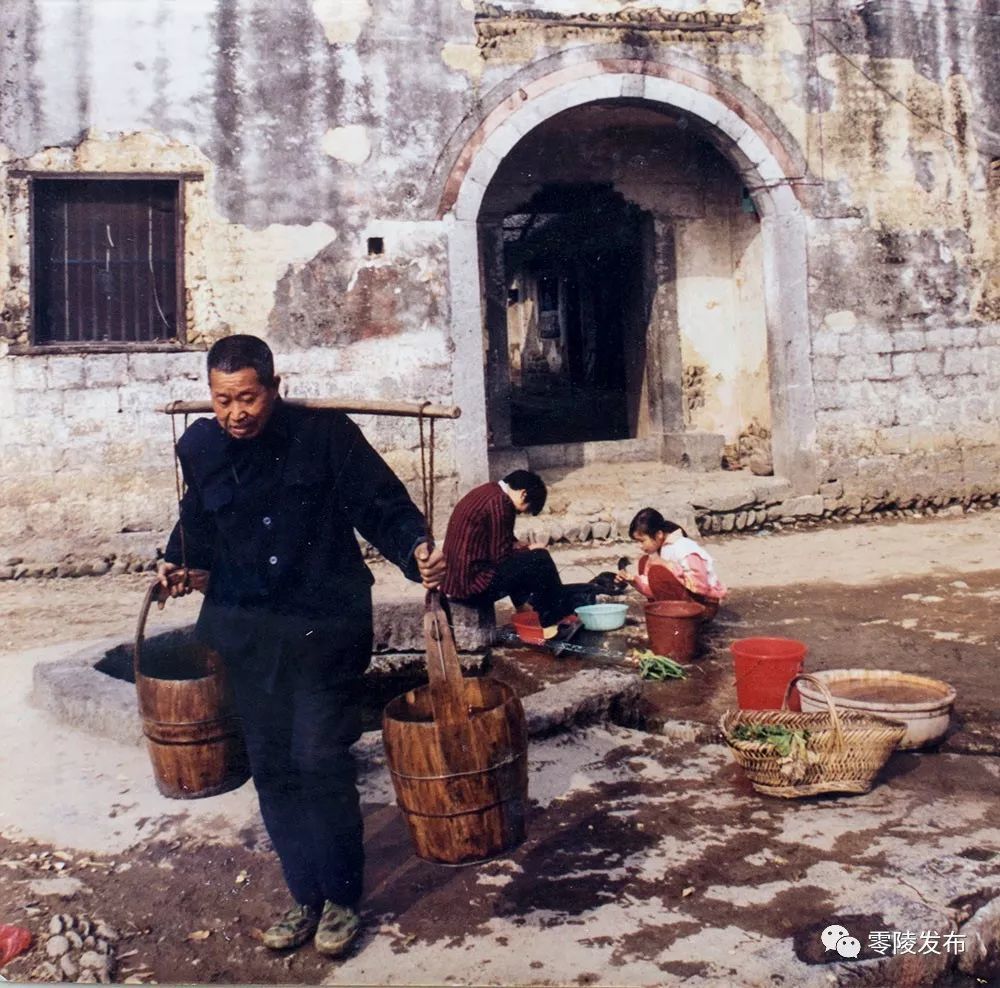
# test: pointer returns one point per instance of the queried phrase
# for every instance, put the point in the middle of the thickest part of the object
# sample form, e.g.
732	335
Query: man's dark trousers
530	576
298	737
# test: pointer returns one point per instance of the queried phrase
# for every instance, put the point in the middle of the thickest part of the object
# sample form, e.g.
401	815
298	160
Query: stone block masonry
875	265
728	515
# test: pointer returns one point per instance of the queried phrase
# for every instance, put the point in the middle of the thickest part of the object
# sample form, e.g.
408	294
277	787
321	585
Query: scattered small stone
79	946
93	960
46	971
56	946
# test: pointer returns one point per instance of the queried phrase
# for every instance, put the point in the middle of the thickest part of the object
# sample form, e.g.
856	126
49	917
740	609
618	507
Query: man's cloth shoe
338	926
293	929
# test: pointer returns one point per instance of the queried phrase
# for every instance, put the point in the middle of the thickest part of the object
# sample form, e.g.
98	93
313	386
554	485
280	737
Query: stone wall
308	128
87	455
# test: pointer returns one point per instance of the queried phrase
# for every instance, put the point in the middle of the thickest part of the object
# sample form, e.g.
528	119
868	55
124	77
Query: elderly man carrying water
267	526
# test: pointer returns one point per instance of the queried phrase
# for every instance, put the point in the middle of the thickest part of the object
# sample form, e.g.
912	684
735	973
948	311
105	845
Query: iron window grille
106	260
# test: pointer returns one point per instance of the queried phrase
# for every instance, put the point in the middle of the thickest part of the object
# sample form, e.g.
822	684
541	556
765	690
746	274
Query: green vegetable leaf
783	739
659	667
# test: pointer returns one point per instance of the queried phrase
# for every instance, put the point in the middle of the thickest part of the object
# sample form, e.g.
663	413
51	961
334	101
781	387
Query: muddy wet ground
946	628
577	860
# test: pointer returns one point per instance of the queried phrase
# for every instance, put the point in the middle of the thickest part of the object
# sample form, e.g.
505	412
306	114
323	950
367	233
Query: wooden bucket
194	739
457	754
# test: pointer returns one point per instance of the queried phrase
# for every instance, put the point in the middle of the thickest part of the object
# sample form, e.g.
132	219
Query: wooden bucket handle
443	670
155	591
140	629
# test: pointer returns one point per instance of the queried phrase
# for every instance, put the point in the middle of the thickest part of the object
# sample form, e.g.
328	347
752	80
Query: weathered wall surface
276	111
904	253
317	125
721	313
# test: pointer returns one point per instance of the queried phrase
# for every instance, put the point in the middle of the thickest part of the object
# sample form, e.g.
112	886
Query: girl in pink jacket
673	566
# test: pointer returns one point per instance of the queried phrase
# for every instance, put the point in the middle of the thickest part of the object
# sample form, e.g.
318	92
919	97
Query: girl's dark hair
239	352
533	486
649	521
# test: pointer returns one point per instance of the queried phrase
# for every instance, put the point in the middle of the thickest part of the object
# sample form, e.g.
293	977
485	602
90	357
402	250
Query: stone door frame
756	153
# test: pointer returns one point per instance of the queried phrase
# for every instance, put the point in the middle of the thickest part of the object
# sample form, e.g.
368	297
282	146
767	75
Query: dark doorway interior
577	310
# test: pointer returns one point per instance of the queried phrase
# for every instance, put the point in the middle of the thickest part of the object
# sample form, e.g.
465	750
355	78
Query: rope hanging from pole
427	470
179	485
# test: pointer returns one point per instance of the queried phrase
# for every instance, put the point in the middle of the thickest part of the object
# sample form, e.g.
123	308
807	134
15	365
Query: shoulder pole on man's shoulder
359	406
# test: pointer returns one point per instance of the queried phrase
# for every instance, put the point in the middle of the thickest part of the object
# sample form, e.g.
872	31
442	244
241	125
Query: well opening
176	655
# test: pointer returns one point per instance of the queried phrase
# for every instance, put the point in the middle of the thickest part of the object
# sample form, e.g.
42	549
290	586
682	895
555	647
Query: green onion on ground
658	667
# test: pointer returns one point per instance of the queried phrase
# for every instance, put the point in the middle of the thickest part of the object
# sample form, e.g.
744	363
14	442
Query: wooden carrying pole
411	409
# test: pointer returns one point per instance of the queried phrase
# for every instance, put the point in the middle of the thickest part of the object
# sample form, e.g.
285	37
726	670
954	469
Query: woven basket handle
838	730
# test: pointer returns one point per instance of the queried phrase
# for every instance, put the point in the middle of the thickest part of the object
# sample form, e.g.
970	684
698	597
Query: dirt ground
916	596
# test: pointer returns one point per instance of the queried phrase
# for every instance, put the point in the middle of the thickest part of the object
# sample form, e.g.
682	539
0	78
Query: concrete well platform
93	687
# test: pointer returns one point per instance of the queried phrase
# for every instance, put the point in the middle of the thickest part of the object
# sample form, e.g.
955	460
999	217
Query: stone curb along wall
317	226
738	513
729	516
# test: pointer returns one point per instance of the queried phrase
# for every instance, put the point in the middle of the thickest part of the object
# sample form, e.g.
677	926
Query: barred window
106	260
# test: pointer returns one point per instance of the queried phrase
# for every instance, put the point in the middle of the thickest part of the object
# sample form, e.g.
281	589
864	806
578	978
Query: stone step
597	502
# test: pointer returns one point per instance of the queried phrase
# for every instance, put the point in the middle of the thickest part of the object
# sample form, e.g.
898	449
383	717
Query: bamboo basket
846	751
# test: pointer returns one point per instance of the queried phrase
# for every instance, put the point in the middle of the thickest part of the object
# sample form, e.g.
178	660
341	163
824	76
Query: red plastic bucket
672	626
764	667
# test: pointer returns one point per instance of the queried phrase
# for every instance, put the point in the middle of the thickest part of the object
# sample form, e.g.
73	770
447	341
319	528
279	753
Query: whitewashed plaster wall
319	124
720	307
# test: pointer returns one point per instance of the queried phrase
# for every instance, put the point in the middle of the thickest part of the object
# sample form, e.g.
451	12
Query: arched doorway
762	368
578	289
